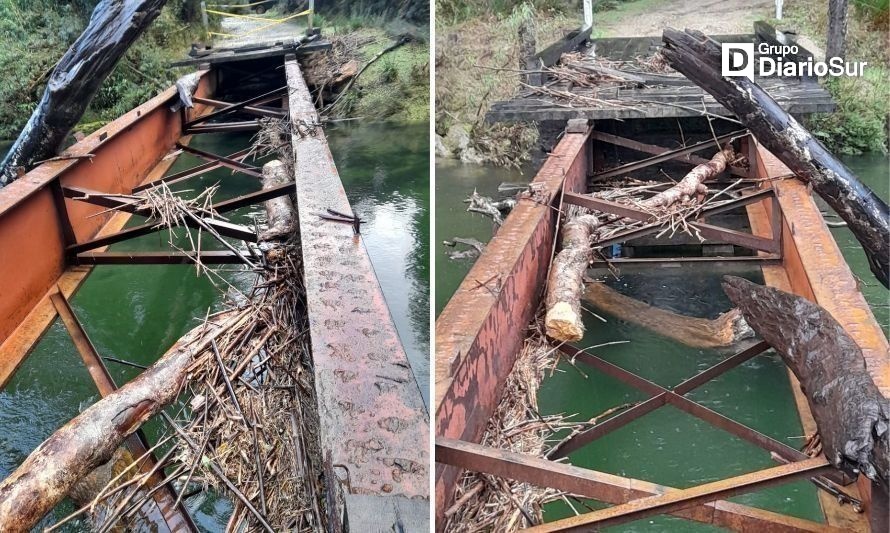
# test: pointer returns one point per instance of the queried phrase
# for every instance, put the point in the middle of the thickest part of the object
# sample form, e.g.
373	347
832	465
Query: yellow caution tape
229	6
249	17
261	28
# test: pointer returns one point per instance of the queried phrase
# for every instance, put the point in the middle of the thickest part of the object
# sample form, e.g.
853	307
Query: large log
565	282
852	415
114	26
726	330
697	57
90	439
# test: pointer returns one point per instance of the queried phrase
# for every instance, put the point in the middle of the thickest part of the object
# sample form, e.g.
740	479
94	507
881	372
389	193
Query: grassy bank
394	87
476	61
34	34
861	121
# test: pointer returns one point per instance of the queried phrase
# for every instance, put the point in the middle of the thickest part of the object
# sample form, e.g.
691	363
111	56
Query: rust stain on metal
479	332
373	419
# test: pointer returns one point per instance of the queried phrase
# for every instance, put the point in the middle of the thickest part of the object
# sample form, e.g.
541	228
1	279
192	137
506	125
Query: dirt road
650	17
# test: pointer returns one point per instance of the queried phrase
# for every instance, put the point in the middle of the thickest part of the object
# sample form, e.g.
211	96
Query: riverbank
471	73
34	35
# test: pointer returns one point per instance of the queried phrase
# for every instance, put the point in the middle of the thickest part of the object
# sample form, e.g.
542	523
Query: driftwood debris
726	330
113	27
868	217
566	279
852	415
280	211
496	209
474	248
90	439
242	365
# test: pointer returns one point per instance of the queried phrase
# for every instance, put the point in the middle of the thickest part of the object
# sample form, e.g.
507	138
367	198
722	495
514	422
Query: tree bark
280	211
698	58
565	283
113	27
726	330
837	29
90	439
852	415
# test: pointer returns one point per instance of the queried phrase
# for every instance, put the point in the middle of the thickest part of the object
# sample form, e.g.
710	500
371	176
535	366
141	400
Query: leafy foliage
34	34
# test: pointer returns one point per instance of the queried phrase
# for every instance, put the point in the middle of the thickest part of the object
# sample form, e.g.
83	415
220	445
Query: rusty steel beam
372	419
265	97
233	164
666	156
609	488
625	417
769	259
174	515
207	257
261	111
681	402
192	172
228	127
682	499
658	150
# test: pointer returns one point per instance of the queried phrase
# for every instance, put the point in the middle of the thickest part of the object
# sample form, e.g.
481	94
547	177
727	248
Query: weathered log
91	438
113	27
726	330
488	207
280	211
565	282
852	415
697	57
566	279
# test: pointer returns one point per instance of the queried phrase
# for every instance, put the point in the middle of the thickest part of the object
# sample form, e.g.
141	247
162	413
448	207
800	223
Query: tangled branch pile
489	503
583	229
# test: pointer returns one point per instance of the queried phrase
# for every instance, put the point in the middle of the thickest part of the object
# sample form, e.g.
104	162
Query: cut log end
563	323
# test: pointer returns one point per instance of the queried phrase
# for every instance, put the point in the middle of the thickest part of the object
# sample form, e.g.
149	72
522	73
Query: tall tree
837	29
114	26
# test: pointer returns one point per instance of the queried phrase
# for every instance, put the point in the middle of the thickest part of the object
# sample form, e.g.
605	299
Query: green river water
668	446
137	312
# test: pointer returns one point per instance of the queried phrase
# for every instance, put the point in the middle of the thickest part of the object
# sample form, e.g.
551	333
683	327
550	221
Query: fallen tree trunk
90	439
280	211
852	415
726	330
698	58
113	27
565	282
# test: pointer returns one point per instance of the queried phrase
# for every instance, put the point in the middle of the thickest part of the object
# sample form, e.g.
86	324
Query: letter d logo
737	59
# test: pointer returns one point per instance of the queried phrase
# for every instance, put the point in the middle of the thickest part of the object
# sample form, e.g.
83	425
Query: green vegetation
862	117
472	72
396	86
34	34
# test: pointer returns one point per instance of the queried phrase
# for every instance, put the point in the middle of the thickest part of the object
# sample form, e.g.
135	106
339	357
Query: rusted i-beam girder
373	423
206	257
233	164
480	331
609	488
261	111
228	110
